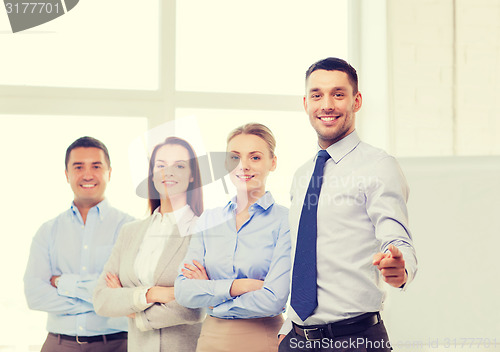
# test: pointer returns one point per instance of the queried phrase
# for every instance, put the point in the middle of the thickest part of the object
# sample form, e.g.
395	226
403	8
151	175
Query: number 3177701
32	7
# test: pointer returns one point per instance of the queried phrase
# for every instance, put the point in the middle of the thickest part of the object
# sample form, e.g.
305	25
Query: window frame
158	105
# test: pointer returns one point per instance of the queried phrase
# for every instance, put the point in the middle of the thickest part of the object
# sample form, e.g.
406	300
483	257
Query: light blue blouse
260	249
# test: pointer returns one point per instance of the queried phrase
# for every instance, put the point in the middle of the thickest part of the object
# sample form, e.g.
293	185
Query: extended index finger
395	252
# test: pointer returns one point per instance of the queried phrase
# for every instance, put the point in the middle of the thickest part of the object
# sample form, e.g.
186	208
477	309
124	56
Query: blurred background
429	73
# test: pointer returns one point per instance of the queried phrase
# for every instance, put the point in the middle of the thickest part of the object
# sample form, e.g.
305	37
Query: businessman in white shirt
348	225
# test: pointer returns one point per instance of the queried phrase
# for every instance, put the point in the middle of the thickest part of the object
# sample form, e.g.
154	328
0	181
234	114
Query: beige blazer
170	327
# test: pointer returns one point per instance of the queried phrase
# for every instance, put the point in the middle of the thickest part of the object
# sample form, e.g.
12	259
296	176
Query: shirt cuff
222	290
140	321
410	266
140	301
66	285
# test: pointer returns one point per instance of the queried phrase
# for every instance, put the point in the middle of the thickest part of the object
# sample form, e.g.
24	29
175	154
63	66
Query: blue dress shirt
77	252
260	250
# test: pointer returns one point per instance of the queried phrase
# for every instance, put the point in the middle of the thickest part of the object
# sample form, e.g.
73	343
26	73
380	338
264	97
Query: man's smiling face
88	174
331	105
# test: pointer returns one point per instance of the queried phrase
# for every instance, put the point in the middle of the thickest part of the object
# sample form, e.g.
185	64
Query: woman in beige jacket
139	276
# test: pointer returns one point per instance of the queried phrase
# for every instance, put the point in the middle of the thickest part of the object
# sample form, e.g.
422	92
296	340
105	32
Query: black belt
345	327
89	339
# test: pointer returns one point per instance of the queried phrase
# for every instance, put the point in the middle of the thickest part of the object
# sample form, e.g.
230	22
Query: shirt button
85	247
83	226
80	328
84	268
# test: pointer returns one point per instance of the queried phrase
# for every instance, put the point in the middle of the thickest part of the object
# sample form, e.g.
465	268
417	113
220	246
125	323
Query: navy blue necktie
304	298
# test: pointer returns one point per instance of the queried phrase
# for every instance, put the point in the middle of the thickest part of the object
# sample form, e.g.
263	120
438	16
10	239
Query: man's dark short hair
87	142
336	64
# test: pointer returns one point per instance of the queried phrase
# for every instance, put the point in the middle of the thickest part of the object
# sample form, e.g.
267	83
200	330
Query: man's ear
109	174
66	174
358	101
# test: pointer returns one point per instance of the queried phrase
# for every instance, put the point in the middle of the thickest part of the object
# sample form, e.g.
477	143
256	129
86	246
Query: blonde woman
138	279
238	263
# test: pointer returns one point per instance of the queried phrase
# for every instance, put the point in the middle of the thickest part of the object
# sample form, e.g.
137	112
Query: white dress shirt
361	211
152	247
153	244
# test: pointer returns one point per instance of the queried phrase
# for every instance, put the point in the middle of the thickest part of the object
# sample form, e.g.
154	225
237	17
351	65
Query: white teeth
328	118
245	177
88	186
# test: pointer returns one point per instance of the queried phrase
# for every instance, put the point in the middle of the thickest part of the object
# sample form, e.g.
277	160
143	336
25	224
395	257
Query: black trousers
373	339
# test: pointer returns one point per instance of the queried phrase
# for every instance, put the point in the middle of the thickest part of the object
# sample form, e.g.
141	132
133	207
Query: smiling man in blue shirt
68	253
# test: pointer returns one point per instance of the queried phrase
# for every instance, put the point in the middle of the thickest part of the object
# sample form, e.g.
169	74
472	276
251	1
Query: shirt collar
343	147
263	202
101	208
177	214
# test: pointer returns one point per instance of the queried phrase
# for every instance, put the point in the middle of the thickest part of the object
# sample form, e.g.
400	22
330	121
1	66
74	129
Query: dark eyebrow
235	152
313	90
81	163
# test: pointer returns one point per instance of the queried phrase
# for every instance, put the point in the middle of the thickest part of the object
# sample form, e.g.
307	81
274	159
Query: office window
111	44
261	47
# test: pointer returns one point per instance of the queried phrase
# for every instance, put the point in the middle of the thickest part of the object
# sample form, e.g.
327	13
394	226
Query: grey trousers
55	344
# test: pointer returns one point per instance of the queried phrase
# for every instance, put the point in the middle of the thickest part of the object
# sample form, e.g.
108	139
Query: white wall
454	204
444	62
444	65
